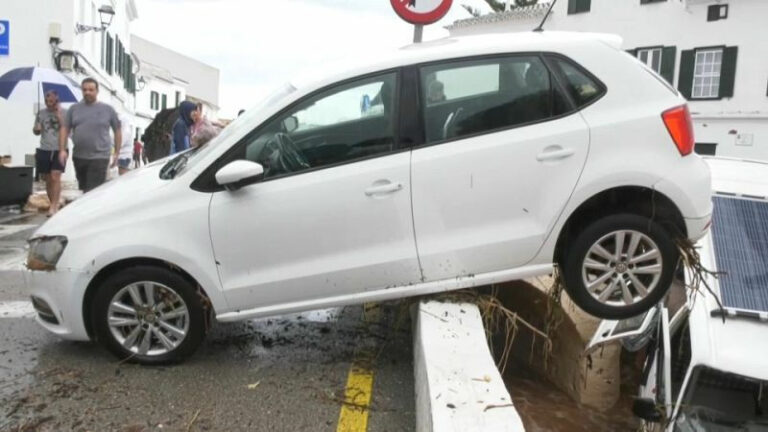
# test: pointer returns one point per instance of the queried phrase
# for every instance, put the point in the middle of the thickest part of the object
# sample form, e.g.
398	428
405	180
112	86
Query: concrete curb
458	387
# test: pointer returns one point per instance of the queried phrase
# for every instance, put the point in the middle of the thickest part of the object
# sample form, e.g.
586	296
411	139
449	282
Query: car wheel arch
125	263
640	200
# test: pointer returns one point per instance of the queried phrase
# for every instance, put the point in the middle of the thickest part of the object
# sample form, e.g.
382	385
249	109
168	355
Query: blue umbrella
26	84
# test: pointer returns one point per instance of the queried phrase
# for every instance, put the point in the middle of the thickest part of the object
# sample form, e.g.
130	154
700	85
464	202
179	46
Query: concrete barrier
458	386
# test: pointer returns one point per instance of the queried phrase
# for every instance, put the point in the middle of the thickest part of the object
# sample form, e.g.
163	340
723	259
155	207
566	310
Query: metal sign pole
418	32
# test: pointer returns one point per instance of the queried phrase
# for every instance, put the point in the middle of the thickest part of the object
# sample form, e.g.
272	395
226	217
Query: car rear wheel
619	266
148	315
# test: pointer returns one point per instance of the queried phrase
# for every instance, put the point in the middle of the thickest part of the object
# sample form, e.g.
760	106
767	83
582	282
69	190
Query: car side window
347	122
476	96
579	85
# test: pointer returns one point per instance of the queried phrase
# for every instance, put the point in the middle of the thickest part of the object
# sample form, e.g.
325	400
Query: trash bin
15	184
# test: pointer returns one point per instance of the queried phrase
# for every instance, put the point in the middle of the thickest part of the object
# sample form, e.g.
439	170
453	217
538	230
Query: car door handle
549	155
386	188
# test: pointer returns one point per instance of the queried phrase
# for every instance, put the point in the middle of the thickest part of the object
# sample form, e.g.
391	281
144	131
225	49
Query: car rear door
502	154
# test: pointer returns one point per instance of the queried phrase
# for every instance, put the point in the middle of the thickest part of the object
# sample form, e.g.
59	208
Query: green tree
500	6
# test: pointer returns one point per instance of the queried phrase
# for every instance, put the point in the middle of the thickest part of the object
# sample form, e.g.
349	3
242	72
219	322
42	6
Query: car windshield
721	401
189	158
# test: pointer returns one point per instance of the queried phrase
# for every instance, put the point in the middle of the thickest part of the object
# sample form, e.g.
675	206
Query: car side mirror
290	124
647	410
234	174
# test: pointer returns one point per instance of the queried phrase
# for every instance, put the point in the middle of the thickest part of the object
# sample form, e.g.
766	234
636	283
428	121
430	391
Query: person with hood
188	115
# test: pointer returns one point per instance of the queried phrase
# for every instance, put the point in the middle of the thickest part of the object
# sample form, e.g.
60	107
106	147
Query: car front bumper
58	300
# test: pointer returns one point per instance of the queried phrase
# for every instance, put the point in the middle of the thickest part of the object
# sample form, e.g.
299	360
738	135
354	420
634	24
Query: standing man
47	126
89	121
136	153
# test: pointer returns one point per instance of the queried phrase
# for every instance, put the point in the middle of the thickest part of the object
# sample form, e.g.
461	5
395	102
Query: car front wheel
148	315
619	266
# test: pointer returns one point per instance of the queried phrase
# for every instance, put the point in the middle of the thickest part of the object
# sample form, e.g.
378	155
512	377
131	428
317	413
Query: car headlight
44	252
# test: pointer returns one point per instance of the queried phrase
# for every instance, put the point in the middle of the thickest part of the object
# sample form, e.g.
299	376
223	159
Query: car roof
737	345
448	48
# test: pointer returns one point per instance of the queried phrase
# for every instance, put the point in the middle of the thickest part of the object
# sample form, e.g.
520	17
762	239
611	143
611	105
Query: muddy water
544	408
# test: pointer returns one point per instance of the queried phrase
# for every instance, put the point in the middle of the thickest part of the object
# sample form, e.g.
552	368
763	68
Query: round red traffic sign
421	11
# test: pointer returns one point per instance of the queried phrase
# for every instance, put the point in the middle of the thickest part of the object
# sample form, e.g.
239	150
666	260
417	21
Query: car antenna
541	26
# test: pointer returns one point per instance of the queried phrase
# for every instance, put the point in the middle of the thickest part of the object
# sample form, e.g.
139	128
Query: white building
44	33
715	52
157	89
167	78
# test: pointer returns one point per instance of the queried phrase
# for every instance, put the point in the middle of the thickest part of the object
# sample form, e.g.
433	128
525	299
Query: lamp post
106	13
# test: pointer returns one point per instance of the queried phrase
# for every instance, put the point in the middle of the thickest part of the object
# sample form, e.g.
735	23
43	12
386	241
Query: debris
254	385
497	406
485	378
189	426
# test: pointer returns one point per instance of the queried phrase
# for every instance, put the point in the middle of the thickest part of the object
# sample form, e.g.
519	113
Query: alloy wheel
622	267
148	318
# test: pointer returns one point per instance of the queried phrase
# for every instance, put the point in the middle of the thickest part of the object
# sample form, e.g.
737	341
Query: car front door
332	215
503	152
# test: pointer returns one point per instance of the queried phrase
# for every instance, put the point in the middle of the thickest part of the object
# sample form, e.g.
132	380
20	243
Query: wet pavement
286	373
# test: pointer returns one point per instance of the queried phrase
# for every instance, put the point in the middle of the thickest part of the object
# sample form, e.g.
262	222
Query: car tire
148	315
602	282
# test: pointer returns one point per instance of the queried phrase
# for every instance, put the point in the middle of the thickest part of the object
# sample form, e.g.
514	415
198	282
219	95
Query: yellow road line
359	390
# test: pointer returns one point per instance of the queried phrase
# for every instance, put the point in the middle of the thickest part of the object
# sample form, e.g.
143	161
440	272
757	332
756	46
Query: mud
276	374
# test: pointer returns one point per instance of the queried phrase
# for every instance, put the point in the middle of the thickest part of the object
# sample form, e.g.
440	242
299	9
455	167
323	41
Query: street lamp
106	13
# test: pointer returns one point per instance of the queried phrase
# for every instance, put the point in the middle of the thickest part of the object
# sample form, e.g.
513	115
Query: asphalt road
282	374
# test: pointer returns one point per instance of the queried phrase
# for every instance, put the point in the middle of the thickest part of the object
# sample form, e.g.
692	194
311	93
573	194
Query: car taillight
680	127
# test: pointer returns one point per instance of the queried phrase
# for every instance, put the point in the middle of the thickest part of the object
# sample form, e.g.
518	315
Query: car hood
115	200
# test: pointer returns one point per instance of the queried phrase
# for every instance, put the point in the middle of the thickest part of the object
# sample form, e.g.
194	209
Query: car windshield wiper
175	165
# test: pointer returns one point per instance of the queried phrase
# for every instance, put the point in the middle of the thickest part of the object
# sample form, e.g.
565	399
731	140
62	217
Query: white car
473	161
706	367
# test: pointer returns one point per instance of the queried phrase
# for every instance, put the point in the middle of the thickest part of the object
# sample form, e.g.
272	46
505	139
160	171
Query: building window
178	98
578	6
642	2
706	74
708	149
651	57
165	101
717	12
154	99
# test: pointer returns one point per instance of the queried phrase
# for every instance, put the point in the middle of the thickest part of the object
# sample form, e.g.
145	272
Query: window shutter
668	55
103	50
572	6
110	55
728	71
685	78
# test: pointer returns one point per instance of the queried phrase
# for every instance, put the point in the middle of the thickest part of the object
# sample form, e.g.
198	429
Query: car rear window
582	88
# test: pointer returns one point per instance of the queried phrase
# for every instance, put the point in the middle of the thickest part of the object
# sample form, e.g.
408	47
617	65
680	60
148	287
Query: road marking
357	395
17	309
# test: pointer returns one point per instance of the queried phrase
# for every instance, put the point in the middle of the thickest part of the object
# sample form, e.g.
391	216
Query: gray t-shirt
49	136
89	125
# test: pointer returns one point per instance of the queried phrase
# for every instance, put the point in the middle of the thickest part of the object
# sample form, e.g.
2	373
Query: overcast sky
258	44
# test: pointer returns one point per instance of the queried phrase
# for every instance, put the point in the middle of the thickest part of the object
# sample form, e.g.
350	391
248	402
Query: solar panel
740	235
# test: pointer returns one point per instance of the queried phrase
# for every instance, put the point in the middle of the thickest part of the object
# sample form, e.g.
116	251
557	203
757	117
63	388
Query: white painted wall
202	80
683	23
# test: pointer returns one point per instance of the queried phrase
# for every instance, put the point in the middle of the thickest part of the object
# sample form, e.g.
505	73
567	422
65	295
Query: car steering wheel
281	156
